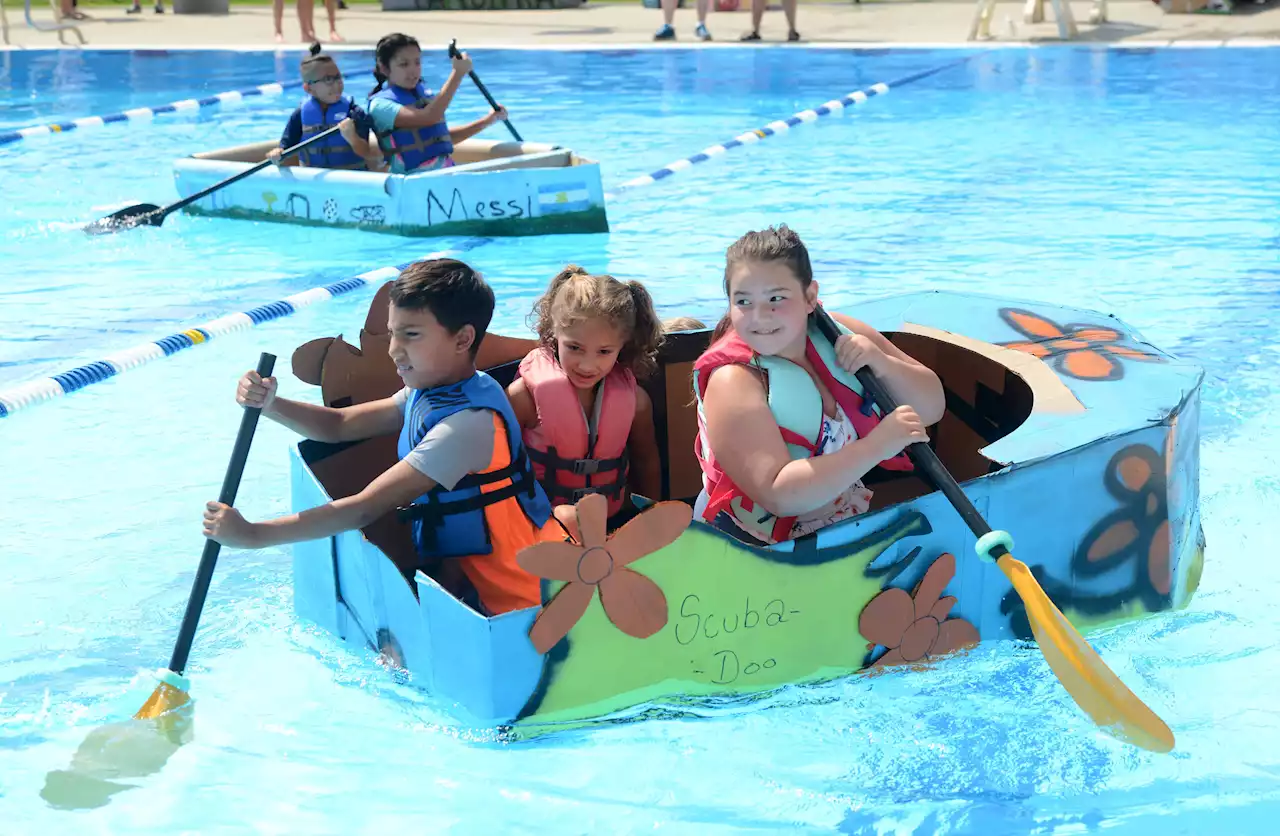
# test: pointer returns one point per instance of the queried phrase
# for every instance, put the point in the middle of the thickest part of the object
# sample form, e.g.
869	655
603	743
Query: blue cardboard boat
1064	426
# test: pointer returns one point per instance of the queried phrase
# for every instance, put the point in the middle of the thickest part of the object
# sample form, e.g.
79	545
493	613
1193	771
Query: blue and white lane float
36	391
773	128
47	388
143	114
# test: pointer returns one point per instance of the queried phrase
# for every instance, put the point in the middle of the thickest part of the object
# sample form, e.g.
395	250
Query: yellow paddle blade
1092	684
113	758
163	699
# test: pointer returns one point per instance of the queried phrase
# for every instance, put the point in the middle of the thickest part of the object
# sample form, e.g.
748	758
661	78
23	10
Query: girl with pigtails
588	425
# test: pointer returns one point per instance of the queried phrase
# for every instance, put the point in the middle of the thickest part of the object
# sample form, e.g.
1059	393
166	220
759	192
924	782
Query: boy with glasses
325	107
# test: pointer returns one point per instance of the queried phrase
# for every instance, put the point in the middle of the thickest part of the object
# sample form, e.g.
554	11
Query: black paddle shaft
484	91
285	154
920	453
147	214
227	496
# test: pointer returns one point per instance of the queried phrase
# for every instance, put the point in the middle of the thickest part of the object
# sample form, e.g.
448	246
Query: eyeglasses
328	79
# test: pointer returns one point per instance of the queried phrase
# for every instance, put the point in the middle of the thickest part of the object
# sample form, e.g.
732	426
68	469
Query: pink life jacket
721	491
574	455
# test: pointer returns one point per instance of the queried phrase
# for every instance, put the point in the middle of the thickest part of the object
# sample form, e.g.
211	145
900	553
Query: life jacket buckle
585	467
579	493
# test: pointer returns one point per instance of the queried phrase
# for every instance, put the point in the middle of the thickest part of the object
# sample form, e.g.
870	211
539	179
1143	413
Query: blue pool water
1140	183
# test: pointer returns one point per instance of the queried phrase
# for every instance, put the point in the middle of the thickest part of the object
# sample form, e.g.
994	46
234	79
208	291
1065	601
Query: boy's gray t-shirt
458	445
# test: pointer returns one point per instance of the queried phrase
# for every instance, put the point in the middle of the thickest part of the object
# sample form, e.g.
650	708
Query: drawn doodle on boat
298	206
369	214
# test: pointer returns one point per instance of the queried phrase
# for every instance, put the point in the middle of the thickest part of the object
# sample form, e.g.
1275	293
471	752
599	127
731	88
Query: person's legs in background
757	15
331	8
668	31
277	14
789	9
701	32
307	20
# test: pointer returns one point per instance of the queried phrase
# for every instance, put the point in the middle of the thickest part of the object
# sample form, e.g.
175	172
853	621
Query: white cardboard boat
496	188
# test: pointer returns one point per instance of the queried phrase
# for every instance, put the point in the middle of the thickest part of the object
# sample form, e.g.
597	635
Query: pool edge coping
879	46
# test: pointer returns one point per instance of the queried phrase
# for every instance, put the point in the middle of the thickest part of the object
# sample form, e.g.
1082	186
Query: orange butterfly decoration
1082	350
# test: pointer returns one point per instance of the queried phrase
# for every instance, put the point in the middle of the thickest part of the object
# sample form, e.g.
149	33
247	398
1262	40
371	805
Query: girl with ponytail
409	119
587	425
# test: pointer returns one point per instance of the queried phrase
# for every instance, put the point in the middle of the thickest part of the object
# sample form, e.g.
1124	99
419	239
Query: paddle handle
920	453
288	152
227	496
484	91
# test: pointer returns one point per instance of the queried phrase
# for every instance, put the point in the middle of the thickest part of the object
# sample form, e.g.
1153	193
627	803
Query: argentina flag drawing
558	198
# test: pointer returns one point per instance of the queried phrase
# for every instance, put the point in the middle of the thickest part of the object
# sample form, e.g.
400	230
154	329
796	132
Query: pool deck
873	23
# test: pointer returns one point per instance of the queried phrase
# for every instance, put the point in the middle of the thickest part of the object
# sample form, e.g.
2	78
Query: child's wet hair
682	323
315	58
778	244
775	244
575	296
453	291
385	51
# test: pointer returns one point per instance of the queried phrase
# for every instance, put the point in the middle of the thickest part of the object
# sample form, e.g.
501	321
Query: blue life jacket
452	523
333	151
418	145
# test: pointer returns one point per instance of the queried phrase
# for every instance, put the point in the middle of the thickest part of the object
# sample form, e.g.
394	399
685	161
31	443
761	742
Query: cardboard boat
1063	426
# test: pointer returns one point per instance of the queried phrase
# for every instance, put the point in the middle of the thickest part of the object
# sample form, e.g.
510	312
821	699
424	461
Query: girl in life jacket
588	426
784	435
324	107
408	118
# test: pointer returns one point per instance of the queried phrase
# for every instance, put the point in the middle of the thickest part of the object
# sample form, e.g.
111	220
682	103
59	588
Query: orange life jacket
502	585
489	515
574	455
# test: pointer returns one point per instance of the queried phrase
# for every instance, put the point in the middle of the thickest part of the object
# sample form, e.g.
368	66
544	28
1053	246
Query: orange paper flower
1084	351
634	603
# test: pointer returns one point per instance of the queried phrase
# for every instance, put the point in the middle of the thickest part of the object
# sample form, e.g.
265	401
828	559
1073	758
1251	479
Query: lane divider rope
781	125
147	113
45	389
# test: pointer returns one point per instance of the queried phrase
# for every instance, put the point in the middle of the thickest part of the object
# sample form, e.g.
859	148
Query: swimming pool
1140	183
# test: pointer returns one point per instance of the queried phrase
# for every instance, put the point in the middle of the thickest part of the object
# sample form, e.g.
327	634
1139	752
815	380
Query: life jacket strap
578	467
433	511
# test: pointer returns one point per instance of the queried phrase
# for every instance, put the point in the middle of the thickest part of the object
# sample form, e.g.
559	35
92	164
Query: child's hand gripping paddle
171	693
484	91
1088	680
141	746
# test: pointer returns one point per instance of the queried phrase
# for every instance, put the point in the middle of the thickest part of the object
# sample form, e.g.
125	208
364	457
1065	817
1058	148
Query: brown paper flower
634	603
915	627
